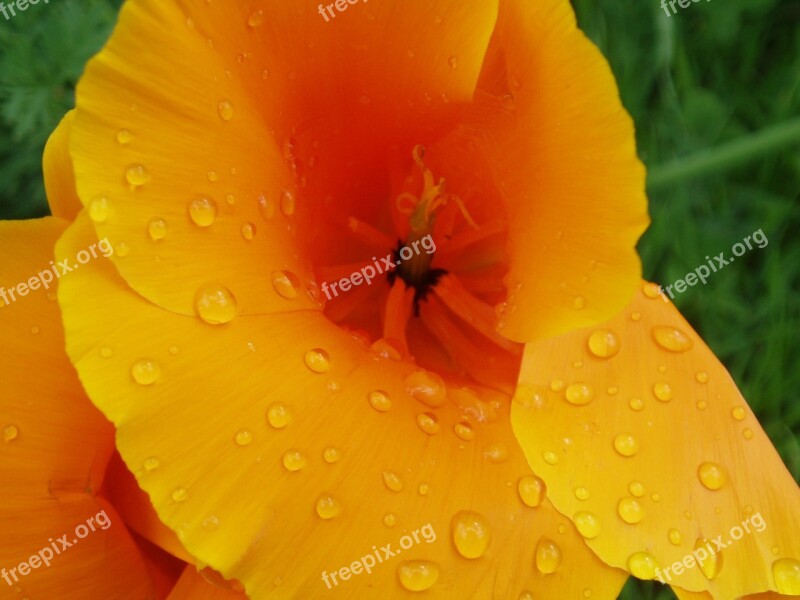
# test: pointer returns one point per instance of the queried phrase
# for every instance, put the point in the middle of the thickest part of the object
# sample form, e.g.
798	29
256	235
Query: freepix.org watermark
43	279
19	5
703	272
388	263
59	546
710	548
378	556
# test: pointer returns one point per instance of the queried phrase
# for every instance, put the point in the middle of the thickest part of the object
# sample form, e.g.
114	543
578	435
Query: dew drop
179	494
98	210
379	400
532	490
551	458
215	304
256	19
124	137
556	385
636	489
428	423
630	510
453	62
294	460
225	109
786	572
739	413
642	565
248	231
548	556
157	229
393	481
278	415
674	537
211	524
422	489
662	391
464	431
636	404
10	433
626	444
603	343
331	455
471	534
328	507
671	339
747	433
213	176
581	493
579	303
106	352
145	371
317	360
712	475
151	464
137	175
701	377
579	394
711	565
495	453
243	438
418	575
526	595
651	290
636	316
203	211
285	283
427	388
287	203
587	524
390	519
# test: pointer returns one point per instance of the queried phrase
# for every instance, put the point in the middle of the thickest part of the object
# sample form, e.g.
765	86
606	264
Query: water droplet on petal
145	371
379	400
10	433
243	438
328	507
526	595
672	339
422	489
294	460
579	394
579	303
225	109
532	490
587	524
581	493
278	415
712	475
248	231
495	453
636	489
98	210
393	481
426	387
662	391
603	343
674	537
157	229
390	519
179	494
548	556
626	444
317	360
702	377
151	464
203	211
418	575
453	62
471	534
256	19
651	290
124	137
747	433
556	385
287	203
630	510
285	283
551	458
786	572
331	455
428	423
215	304
137	175
739	413
106	352
211	524
464	431
636	404
642	565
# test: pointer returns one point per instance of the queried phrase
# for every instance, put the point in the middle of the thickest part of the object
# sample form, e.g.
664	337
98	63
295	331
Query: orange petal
637	423
562	147
59	179
193	586
54	449
285	452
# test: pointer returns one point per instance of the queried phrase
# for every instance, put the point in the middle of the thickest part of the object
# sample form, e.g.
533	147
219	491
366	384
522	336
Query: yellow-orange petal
54	448
280	465
563	153
193	585
652	426
59	178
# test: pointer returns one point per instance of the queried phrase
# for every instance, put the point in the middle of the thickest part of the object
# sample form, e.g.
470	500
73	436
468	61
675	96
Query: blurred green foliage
712	73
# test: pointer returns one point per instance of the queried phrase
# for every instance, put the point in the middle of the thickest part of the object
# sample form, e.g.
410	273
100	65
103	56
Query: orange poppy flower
315	420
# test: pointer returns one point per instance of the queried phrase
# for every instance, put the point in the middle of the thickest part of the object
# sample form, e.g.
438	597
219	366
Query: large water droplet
426	387
428	423
671	338
642	565
203	211
317	360
588	524
630	510
471	533
548	556
145	371
712	475
287	203
215	304
379	400
464	431
278	415
285	283
603	343
294	460
626	444
532	490
786	572
579	394
393	481
418	575
328	507
711	565
662	391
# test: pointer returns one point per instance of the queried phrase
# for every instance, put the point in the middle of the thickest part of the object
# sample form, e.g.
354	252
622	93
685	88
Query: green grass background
715	94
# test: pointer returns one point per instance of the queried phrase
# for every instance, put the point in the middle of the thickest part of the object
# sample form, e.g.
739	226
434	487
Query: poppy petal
59	178
636	423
